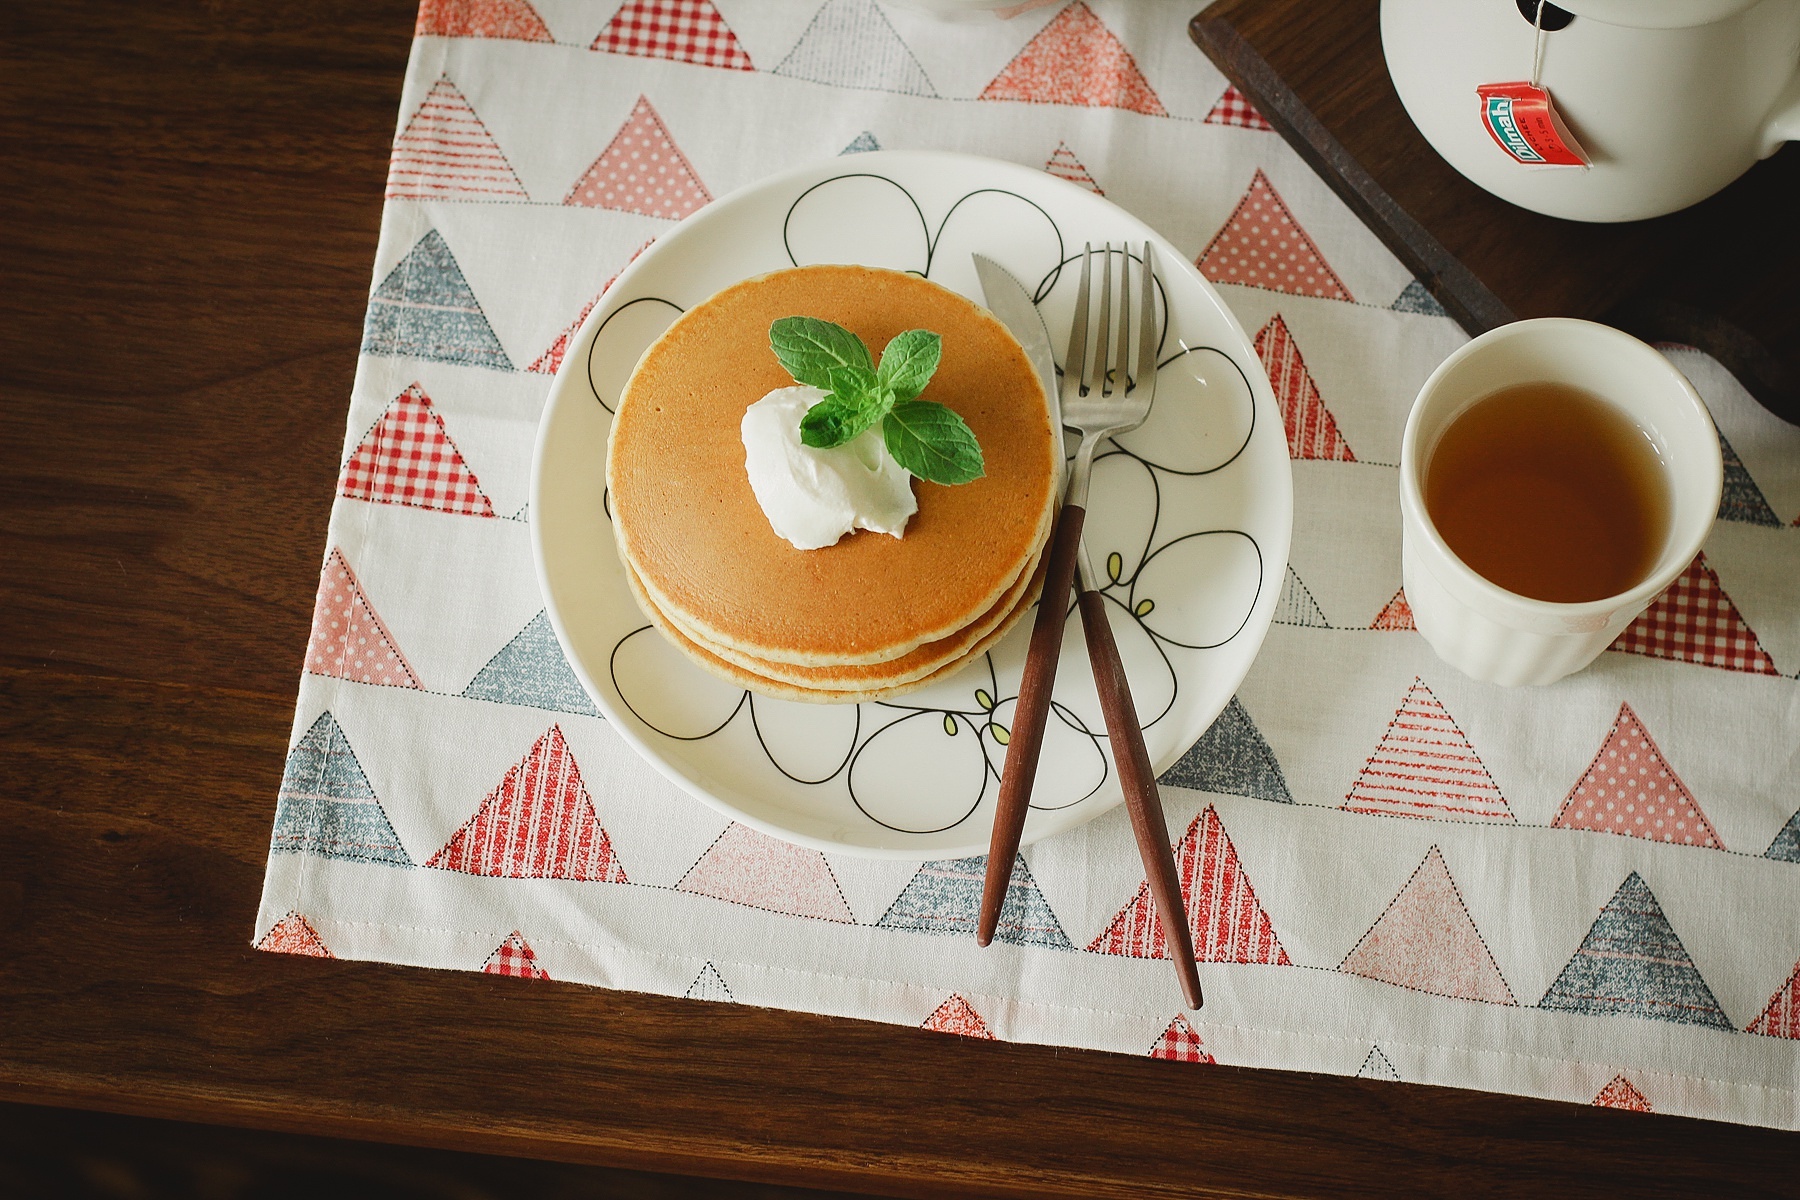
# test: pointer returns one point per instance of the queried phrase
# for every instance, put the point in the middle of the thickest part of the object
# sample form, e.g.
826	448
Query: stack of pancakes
873	615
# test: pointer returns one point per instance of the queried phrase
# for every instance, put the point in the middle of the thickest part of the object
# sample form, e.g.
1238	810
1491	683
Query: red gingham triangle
349	639
513	19
1179	1043
1312	432
1630	789
1076	59
445	150
1782	1016
1262	246
1228	923
1234	109
956	1016
690	31
514	957
538	824
1695	621
641	171
1425	767
408	458
294	935
1620	1094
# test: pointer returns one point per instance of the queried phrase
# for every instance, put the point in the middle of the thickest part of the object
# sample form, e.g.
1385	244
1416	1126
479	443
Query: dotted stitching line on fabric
1461	903
1089	1009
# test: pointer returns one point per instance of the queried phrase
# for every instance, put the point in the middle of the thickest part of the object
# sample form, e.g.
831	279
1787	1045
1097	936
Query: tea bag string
1537	50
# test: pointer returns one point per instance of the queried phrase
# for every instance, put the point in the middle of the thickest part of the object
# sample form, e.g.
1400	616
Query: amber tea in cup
1555	476
1550	492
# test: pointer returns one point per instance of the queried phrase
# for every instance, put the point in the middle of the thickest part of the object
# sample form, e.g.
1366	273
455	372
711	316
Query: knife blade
1008	300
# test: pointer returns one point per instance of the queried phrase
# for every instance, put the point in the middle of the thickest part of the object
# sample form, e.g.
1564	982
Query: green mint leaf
829	423
852	384
909	362
932	442
837	419
808	348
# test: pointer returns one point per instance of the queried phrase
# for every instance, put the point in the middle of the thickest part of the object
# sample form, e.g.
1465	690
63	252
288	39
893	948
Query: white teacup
1498	636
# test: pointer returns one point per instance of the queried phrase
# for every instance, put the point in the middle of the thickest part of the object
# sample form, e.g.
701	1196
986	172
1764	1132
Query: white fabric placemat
1589	892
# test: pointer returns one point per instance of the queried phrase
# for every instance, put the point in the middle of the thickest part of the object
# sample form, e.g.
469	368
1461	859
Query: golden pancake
916	664
739	677
691	529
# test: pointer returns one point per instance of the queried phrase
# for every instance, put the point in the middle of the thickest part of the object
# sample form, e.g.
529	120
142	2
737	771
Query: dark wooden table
187	224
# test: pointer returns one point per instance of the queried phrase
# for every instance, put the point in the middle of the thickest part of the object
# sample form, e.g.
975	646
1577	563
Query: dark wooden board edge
1646	316
1464	297
1653	318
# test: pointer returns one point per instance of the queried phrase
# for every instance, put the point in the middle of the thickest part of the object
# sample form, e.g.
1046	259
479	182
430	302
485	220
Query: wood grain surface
187	225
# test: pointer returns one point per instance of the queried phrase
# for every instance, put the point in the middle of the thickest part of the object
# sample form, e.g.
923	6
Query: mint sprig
925	437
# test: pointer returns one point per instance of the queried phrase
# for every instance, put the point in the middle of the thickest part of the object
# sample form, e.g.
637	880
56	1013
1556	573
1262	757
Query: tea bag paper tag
1523	121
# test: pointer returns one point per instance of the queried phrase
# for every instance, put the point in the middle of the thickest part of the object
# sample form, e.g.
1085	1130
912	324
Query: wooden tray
1721	276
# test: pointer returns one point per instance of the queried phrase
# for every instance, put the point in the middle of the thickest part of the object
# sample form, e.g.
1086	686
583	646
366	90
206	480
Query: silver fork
1102	396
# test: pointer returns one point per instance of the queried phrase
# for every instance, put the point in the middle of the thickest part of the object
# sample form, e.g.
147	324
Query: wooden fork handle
1026	737
1142	799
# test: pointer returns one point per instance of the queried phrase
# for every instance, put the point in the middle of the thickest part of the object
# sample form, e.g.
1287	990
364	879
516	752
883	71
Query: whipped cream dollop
814	497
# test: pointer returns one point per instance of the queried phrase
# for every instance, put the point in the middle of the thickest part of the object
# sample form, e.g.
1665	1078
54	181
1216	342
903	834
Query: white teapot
1670	99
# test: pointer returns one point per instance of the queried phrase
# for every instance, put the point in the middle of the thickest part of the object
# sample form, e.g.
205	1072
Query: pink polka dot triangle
641	171
1630	789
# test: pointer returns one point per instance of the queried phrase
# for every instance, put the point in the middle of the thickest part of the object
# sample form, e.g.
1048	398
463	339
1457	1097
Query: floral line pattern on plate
962	724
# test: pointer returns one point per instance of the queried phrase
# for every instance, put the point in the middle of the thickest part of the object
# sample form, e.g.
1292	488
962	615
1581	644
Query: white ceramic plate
1189	515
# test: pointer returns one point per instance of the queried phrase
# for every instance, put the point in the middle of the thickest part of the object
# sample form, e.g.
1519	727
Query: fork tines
1115	373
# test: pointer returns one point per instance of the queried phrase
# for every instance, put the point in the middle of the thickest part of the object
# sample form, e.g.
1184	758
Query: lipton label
1523	121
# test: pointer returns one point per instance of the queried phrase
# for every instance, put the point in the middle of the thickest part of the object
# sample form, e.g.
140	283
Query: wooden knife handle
1142	799
1026	737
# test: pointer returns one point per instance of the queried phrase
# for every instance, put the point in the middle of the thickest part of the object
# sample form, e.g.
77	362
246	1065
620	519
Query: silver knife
1007	299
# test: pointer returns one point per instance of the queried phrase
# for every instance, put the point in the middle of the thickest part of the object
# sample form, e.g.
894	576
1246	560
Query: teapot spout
1784	122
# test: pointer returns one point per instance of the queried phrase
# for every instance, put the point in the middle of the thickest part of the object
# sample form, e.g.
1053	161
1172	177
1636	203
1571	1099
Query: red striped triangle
349	640
1397	615
1179	1043
956	1016
1782	1016
641	171
1234	109
1311	430
1695	621
1425	767
538	824
1064	165
514	957
294	935
1630	789
754	869
445	151
409	458
1621	1094
1229	924
1076	59
690	31
1262	246
514	19
550	361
